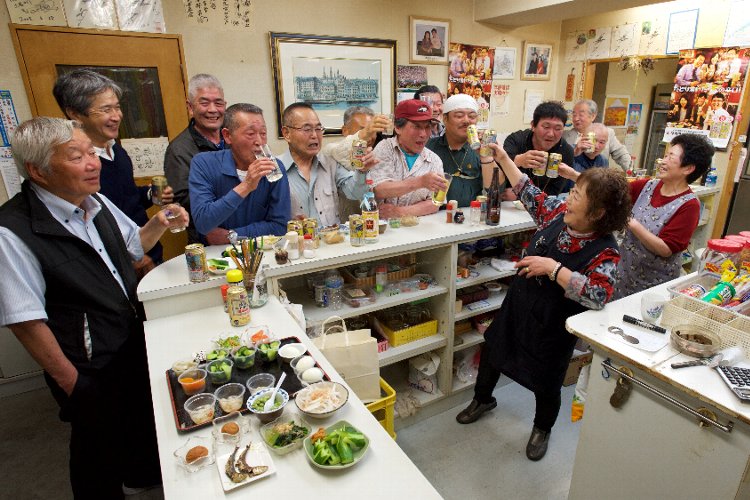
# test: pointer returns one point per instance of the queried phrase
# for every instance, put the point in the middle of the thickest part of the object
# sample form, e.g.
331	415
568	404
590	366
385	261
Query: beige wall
241	57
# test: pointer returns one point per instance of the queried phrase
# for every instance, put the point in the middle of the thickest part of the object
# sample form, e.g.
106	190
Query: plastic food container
357	296
201	408
224	433
717	252
193	381
220	371
408	285
230	396
259	382
270	432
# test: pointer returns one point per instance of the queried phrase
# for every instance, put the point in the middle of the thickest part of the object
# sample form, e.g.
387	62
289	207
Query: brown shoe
537	445
475	410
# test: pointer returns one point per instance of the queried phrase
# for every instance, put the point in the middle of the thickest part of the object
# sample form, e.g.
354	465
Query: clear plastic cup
174	217
201	408
259	382
265	152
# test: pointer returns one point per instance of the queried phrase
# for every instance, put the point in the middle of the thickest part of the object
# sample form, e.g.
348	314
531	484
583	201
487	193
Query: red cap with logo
414	110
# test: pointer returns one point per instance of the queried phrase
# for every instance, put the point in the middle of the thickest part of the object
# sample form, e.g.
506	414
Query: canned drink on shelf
553	165
296	226
541	170
356	230
359	150
195	255
310	226
158	184
238	306
472	137
489	137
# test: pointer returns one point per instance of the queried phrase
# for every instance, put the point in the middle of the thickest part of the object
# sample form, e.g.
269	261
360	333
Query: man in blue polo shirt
229	191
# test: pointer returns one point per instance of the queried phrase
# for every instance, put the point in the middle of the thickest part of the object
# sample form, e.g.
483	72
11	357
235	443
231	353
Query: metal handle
607	364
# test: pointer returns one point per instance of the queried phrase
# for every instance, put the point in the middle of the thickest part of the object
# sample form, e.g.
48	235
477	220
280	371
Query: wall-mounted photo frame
505	63
537	61
428	40
332	73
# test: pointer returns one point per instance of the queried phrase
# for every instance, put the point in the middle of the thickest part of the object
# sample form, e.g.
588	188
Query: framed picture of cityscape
332	74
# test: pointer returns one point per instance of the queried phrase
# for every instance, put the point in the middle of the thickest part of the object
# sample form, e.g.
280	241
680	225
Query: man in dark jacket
206	105
94	100
68	294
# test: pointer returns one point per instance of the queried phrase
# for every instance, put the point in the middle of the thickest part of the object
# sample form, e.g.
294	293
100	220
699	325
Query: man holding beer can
530	148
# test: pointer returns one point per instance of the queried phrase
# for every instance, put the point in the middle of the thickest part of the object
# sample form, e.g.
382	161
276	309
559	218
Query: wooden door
43	52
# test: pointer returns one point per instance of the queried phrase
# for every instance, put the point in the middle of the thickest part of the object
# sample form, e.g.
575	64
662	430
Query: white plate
258	455
220	272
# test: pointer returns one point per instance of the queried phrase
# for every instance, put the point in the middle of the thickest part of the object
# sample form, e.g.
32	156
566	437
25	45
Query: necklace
453	158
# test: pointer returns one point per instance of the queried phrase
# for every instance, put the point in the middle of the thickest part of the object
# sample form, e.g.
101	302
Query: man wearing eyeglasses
470	173
206	106
94	100
315	178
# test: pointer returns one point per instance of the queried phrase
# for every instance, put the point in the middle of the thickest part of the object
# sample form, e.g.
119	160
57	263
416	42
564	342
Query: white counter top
701	382
384	472
171	278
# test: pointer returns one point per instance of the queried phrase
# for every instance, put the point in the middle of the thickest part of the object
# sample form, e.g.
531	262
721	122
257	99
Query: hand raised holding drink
175	216
439	185
265	152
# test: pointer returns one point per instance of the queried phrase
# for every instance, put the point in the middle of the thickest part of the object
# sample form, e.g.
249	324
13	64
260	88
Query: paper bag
354	354
423	372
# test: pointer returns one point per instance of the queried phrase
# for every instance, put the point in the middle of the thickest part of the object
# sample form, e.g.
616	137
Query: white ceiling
514	13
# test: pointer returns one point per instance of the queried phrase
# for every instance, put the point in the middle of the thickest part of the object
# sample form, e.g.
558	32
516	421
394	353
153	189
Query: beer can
195	255
472	137
359	150
296	226
238	306
542	169
356	230
310	226
482	199
592	140
553	165
158	184
489	137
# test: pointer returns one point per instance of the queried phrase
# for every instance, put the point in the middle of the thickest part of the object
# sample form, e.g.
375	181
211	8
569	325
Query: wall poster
471	73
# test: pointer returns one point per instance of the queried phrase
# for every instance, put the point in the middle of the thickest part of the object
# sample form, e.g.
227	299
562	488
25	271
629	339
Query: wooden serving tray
178	397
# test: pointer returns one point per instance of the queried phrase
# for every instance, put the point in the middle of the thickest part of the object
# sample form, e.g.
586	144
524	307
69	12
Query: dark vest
79	285
527	340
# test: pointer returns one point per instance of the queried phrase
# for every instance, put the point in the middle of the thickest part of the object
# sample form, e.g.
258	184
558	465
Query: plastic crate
416	332
382	409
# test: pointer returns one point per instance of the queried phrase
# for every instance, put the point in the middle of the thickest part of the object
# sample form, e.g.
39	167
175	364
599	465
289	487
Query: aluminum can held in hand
489	137
158	184
359	150
553	165
592	139
472	137
541	170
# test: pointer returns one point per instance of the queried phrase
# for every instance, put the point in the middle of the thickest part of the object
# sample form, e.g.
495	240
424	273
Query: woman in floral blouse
569	267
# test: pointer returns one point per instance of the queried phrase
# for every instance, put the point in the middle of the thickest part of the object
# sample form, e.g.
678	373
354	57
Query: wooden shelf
395	354
493	302
425	399
486	273
471	338
459	386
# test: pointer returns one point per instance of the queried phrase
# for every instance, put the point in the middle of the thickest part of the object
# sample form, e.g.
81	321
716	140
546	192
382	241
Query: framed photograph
428	40
505	63
616	110
332	74
537	61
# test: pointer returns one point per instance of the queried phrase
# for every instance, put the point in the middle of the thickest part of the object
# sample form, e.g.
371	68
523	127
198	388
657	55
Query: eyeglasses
106	110
307	129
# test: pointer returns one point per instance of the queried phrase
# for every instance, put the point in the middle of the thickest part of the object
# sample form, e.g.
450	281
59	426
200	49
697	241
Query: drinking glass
265	152
438	198
174	217
389	128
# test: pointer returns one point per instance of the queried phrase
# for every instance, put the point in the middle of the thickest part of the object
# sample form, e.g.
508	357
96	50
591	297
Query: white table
649	448
384	472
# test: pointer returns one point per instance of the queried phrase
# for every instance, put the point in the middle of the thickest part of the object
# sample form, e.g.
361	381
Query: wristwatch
232	235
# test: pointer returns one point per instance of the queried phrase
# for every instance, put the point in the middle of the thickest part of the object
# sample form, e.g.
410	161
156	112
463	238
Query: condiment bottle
381	277
475	213
293	250
493	199
235	278
449	212
309	251
459	217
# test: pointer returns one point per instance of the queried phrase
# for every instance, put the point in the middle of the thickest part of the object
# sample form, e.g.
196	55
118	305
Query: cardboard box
577	362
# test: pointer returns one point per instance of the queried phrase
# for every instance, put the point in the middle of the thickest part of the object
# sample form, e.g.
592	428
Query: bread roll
196	453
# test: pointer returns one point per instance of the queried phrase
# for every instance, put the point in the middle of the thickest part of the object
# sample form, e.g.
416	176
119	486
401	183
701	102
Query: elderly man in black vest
68	293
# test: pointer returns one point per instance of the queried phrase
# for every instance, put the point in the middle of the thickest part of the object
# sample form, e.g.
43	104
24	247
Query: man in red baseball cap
408	173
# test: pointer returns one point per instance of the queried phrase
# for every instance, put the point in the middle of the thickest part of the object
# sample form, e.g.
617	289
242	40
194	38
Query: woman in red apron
569	267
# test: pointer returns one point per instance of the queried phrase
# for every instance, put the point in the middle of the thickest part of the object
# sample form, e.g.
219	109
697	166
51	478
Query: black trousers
113	438
547	402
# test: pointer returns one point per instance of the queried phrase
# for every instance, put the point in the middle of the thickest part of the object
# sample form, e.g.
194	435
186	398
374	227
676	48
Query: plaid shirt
392	167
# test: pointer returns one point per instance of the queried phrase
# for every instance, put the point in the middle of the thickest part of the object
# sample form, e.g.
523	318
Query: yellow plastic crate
382	409
416	332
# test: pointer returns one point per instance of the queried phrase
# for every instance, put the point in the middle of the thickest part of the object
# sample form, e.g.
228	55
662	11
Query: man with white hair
584	114
68	294
470	174
206	106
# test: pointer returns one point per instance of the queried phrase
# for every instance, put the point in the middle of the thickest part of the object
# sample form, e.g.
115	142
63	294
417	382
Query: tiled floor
484	460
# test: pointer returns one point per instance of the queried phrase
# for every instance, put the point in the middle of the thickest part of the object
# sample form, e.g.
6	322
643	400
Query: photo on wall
537	61
470	73
428	40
